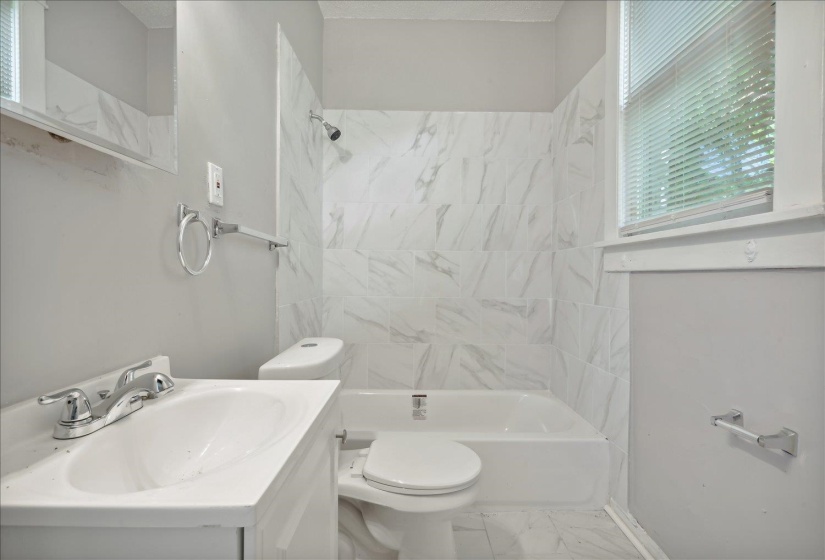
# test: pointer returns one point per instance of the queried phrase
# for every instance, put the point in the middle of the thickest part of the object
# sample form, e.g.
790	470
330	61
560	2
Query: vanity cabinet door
302	522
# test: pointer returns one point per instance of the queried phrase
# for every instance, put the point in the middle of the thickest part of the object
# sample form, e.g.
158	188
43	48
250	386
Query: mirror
100	72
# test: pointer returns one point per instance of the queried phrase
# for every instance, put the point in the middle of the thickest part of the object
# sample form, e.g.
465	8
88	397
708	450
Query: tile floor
545	535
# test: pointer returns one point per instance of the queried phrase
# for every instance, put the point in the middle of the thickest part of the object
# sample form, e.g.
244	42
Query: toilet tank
310	358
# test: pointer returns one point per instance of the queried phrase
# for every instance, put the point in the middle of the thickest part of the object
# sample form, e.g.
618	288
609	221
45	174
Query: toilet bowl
408	489
398	498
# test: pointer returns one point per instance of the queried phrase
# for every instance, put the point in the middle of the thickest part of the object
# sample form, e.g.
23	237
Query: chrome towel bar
222	228
734	422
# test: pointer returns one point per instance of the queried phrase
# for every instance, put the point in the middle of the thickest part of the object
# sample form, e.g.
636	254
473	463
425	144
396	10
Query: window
696	121
9	53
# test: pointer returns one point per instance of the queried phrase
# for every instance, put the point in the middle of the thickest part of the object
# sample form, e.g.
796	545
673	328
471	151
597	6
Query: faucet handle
128	375
77	405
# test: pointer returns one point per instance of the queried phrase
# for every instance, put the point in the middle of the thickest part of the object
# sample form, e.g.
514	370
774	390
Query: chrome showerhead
333	133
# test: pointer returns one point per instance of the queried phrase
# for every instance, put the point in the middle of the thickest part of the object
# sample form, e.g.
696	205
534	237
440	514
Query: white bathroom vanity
215	469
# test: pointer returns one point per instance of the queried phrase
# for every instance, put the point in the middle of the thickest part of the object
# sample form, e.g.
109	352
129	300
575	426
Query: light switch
216	186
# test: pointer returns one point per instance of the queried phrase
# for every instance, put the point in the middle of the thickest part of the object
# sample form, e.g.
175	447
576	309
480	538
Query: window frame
792	233
16	53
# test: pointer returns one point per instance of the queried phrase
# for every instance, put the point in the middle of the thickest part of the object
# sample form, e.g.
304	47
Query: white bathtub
536	451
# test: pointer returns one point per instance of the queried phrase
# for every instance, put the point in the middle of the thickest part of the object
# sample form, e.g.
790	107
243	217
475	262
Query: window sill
785	239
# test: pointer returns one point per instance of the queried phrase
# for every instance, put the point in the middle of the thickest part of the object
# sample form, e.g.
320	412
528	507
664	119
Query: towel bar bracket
222	228
734	421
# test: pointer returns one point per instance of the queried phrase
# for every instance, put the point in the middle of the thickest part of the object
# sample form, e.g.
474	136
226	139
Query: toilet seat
415	517
420	465
353	486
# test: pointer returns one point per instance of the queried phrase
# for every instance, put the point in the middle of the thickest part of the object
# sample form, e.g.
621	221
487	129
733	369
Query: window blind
697	110
9	75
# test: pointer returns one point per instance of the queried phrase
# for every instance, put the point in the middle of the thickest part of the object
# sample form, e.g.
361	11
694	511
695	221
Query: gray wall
438	65
303	24
580	42
102	43
703	343
89	278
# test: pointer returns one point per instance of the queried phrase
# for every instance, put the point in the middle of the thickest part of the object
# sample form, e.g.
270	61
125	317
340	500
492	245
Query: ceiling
487	10
155	14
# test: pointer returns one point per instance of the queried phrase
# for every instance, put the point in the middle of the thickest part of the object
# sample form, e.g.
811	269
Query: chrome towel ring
185	217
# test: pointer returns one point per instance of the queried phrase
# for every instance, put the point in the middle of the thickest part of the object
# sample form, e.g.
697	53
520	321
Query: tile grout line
487	535
561	535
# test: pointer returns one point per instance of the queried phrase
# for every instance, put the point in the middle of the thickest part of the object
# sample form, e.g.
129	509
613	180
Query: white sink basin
210	453
177	440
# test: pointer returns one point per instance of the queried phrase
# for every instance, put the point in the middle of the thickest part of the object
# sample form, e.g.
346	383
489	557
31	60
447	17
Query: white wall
425	65
706	342
580	42
89	278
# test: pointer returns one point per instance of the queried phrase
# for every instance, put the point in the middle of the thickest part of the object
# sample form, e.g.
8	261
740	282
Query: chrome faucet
79	418
128	375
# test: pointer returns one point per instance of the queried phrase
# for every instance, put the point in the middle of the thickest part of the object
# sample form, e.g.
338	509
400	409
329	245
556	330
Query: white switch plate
216	186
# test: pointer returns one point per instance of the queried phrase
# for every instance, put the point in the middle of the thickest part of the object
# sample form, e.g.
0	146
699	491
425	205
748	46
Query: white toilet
397	498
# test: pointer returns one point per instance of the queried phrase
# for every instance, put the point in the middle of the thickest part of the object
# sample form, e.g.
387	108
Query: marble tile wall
301	141
589	308
437	253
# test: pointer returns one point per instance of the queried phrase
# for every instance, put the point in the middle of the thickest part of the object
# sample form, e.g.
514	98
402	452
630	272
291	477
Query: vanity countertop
211	453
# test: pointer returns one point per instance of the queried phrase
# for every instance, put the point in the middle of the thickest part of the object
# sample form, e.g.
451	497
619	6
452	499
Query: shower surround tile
483	366
346	273
390	273
504	321
482	274
477	231
540	228
620	343
483	181
458	321
437	366
541	135
438	274
412	320
473	262
458	227
300	280
346	180
389	226
530	181
529	274
526	366
594	341
589	308
391	366
446	218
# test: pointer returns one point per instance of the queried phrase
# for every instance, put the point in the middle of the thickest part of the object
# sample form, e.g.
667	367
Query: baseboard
646	546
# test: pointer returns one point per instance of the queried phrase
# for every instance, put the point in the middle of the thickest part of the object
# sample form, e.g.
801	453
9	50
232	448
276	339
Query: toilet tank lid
309	358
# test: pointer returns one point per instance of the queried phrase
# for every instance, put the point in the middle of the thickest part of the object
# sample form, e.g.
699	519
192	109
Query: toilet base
415	536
